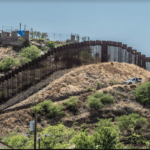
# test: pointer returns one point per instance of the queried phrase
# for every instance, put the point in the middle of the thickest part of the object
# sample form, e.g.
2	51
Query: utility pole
11	29
24	27
20	26
32	32
35	130
136	66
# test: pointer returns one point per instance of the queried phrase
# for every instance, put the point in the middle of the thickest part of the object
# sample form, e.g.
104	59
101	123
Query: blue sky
127	21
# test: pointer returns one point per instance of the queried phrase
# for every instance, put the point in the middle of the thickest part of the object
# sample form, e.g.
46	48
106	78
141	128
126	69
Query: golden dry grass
78	80
85	76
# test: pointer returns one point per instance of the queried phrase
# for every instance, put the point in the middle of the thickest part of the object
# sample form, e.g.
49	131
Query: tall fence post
104	51
144	61
139	58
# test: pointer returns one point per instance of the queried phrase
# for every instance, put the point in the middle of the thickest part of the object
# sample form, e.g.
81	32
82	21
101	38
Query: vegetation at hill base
106	134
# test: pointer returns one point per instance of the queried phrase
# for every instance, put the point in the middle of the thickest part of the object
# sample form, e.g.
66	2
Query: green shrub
24	60
88	89
94	103
16	141
29	144
113	82
106	138
142	93
105	123
107	99
31	52
71	103
51	44
131	123
44	48
41	40
98	94
39	129
99	84
58	134
74	124
84	126
94	90
83	141
8	63
7	138
48	108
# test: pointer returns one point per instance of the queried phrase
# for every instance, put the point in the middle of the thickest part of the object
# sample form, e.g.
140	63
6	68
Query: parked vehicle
133	80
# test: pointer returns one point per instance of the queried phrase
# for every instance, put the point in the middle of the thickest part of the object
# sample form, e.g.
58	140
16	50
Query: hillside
75	83
8	51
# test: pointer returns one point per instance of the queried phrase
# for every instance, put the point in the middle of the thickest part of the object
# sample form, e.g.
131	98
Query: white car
133	80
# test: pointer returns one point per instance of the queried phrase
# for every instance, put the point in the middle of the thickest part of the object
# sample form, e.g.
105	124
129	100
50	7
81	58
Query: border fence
67	56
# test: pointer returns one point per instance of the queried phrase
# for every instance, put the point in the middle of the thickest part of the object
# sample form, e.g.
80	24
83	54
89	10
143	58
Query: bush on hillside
94	103
83	141
97	100
98	94
51	44
48	108
60	137
88	89
106	138
142	93
106	123
71	103
107	99
8	62
99	84
31	52
131	123
24	60
16	141
44	48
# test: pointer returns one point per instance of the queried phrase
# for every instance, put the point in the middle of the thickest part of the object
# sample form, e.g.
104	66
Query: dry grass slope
75	82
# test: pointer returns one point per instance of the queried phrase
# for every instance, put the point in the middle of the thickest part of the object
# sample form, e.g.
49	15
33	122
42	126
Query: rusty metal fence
63	57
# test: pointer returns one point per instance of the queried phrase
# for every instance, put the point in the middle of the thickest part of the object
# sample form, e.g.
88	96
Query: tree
44	35
35	33
51	44
31	34
142	93
83	141
105	138
31	52
39	34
